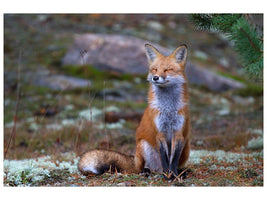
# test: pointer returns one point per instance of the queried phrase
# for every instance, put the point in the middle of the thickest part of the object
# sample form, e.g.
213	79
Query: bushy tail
99	161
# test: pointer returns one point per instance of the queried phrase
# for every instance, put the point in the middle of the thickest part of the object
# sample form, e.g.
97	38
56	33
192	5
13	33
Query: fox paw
181	174
146	172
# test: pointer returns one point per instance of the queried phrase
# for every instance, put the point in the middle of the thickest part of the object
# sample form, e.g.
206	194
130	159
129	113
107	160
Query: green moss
55	176
29	90
201	88
91	72
127	77
234	77
248	173
250	90
131	104
257	182
24	177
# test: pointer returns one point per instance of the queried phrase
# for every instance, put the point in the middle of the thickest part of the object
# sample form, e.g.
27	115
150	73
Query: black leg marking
164	158
176	157
169	145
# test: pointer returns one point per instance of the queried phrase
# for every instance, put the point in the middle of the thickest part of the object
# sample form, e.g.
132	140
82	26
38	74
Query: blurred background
74	82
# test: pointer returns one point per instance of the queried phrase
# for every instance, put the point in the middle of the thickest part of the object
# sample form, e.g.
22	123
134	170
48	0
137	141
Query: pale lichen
116	125
255	143
90	114
30	171
198	156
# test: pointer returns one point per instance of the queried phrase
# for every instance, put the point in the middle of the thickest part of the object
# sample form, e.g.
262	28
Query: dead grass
210	131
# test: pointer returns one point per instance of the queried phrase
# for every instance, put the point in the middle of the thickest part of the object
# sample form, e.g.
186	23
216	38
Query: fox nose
155	78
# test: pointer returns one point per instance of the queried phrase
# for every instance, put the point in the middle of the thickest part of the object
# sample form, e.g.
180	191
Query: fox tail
99	161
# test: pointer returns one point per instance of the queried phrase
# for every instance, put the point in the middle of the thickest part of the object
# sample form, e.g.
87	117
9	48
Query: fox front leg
170	153
176	151
176	157
163	149
164	153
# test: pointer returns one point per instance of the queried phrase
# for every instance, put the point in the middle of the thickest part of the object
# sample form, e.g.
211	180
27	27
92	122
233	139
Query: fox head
164	70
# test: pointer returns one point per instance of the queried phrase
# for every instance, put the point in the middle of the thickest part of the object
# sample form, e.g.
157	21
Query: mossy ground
218	120
205	168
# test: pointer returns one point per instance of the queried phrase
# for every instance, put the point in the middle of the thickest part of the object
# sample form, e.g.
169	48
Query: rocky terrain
82	85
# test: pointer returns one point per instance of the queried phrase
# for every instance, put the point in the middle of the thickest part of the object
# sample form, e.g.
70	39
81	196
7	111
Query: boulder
201	76
126	54
61	82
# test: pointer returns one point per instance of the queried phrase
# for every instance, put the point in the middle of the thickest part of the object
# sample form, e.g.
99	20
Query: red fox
163	136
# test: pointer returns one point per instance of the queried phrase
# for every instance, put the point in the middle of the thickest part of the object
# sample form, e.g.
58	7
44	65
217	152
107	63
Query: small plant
25	178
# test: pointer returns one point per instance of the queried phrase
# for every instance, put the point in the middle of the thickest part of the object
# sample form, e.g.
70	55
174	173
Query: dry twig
13	133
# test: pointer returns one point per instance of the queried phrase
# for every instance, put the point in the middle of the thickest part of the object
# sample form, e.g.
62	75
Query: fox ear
180	54
151	52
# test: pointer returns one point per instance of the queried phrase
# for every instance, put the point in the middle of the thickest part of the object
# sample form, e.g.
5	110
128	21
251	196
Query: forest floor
53	128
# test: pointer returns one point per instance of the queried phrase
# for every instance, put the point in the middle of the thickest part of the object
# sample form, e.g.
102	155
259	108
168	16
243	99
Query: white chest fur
168	101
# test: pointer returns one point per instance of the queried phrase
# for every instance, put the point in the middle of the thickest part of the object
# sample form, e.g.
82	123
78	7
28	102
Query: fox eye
154	70
169	69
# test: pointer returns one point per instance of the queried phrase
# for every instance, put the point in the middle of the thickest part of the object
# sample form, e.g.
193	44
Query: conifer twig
250	40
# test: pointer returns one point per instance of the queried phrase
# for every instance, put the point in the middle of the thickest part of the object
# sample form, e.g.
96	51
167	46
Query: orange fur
156	149
147	129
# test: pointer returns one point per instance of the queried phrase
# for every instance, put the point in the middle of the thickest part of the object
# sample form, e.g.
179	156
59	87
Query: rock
199	143
126	54
155	26
224	111
201	55
90	114
123	184
61	82
108	52
214	82
243	100
224	62
110	94
121	95
116	125
225	107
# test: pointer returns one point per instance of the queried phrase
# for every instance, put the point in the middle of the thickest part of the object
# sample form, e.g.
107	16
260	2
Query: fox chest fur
168	101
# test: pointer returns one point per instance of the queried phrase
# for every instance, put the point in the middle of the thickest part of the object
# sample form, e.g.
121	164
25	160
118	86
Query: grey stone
126	54
155	25
214	82
243	100
61	82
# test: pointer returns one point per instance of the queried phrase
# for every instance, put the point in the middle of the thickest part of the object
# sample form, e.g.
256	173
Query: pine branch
224	22
247	41
201	21
249	45
250	40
